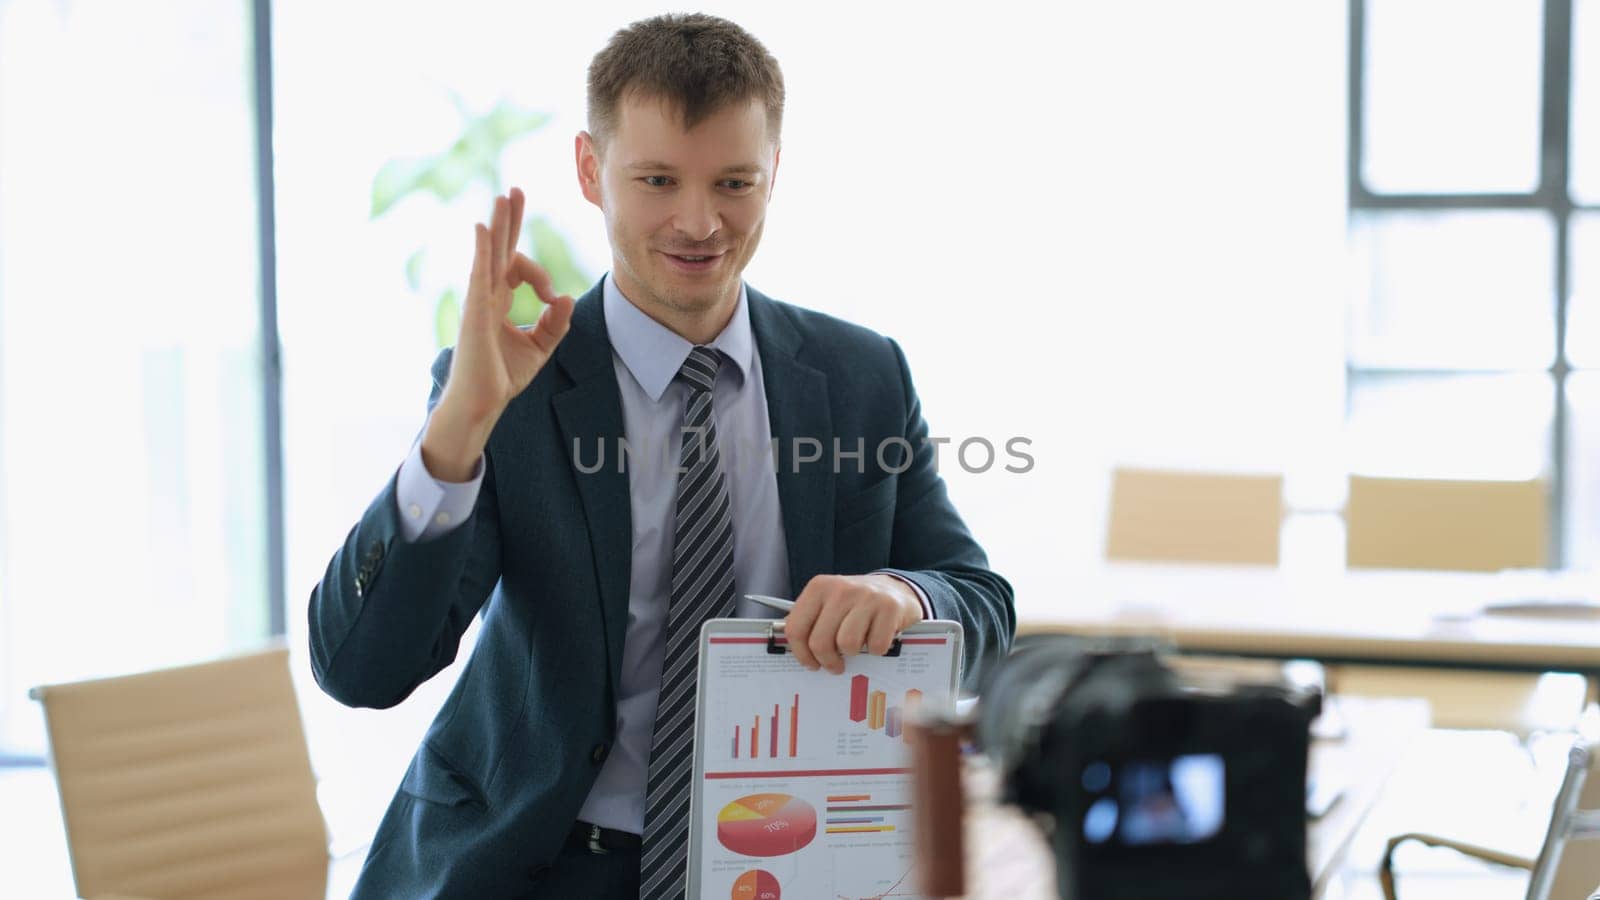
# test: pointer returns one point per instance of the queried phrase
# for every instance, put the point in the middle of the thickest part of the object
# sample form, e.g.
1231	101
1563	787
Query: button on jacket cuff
430	507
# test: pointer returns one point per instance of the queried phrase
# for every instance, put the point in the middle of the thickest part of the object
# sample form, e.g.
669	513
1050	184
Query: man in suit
797	463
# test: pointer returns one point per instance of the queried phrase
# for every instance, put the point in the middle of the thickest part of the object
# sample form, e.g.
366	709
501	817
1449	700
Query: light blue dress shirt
647	356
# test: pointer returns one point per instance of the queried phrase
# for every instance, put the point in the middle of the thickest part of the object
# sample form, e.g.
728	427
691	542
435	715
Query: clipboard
802	780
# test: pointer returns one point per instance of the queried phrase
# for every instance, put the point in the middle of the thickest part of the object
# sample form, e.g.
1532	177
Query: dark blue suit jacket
504	768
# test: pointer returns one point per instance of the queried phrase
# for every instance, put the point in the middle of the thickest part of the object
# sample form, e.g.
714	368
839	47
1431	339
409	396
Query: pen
776	603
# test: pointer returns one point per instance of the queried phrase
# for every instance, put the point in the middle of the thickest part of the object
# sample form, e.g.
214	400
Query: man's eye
656	180
736	184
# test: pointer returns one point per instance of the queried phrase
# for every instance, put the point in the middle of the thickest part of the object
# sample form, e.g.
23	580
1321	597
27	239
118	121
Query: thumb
553	322
523	270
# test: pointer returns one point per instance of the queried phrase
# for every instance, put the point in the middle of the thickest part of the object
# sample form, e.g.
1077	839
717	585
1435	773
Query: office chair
188	782
1463	526
1161	515
1485	526
1558	871
1207	517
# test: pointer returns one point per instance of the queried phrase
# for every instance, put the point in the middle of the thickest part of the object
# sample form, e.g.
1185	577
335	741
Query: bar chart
857	814
773	745
871	706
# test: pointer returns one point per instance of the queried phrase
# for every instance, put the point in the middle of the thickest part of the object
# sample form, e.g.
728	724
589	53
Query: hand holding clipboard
840	616
782	605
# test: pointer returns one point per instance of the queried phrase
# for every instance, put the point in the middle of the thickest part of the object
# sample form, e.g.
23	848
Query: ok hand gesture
494	360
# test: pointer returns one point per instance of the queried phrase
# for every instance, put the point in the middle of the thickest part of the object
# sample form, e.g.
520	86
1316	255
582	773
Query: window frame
1552	196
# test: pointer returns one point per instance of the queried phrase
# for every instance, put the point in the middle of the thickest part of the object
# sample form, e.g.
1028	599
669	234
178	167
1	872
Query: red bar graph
774	731
871	707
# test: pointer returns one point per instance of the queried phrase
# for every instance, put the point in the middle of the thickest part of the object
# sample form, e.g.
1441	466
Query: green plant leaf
396	180
476	154
473	156
414	269
506	122
447	318
525	306
550	250
453	172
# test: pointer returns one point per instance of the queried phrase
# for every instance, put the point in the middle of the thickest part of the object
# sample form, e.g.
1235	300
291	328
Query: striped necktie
702	588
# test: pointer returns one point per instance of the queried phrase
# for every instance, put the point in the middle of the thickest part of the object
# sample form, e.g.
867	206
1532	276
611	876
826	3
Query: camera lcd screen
1145	802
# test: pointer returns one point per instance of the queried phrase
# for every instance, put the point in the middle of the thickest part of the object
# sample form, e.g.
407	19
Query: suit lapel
590	415
797	406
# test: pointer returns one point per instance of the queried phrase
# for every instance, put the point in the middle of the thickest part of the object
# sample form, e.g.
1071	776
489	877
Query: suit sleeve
389	613
933	549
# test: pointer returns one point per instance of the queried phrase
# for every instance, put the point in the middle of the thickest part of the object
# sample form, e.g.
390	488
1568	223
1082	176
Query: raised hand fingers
497	243
525	270
482	264
552	325
516	223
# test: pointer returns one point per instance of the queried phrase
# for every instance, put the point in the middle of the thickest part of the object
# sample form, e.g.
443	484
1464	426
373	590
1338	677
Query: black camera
1152	783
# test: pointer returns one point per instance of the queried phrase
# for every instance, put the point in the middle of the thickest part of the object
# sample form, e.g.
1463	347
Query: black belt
601	840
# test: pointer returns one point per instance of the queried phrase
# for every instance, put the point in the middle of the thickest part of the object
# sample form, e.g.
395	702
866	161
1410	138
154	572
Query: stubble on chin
696	303
674	301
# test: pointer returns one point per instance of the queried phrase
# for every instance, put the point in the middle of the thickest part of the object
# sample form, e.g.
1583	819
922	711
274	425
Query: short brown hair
701	64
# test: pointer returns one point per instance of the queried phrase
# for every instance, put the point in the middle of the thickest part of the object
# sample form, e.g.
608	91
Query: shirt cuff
922	596
430	507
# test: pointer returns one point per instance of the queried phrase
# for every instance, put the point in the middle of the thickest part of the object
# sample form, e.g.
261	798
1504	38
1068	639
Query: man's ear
587	157
777	154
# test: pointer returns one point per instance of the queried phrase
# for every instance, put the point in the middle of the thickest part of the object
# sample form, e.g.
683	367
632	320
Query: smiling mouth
693	265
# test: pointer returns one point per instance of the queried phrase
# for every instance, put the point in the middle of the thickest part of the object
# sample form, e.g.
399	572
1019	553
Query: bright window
131	444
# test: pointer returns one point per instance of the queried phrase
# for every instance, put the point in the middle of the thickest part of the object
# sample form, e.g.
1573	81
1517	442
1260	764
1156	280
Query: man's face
670	196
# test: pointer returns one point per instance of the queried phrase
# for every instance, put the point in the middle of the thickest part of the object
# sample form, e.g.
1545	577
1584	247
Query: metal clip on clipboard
775	631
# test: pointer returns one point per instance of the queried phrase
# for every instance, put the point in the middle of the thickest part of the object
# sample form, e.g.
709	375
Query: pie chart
756	885
766	825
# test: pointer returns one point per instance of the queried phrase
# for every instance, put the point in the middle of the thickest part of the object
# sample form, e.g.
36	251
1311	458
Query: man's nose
697	216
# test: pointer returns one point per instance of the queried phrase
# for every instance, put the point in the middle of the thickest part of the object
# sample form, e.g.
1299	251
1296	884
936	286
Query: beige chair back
1482	526
1401	523
1169	516
188	782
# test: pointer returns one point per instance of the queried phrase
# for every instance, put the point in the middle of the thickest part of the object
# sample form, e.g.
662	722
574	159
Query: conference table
1517	621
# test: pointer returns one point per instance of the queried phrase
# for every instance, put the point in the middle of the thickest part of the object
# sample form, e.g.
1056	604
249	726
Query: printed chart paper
804	780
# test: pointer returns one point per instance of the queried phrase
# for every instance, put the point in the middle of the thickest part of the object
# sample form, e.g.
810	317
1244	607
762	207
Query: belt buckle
594	840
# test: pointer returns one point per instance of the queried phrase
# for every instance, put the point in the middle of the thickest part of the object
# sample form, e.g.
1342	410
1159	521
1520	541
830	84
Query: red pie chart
756	884
766	825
